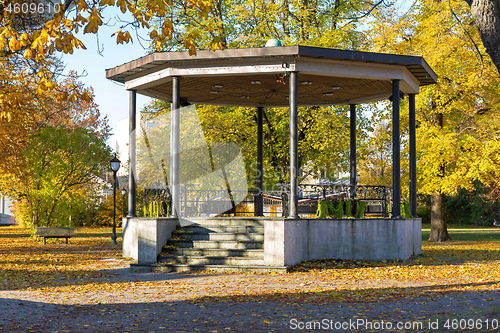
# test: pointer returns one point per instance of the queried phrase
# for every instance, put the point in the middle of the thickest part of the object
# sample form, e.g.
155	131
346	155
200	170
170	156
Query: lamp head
115	164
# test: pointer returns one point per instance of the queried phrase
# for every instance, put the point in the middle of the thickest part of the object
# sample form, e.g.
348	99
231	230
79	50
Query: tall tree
33	32
250	23
376	167
51	149
323	134
323	131
457	117
486	14
59	164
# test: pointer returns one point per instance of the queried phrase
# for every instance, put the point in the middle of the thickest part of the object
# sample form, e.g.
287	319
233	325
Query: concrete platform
291	241
286	242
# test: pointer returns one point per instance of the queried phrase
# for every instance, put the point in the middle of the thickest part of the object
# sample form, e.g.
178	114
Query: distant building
6	215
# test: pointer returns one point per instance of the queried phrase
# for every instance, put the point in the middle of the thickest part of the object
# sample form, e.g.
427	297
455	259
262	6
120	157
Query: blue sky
112	98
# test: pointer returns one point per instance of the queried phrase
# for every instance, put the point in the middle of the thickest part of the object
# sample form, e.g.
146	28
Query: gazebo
288	76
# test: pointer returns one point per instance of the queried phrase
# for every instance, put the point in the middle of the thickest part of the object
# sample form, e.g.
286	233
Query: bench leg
43	240
66	240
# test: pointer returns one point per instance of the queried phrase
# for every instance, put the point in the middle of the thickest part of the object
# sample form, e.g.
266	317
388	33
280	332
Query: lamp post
124	191
115	165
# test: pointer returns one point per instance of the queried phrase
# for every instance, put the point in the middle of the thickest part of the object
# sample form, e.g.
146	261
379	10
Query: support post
396	159
294	161
413	156
132	153
352	156
259	199
175	146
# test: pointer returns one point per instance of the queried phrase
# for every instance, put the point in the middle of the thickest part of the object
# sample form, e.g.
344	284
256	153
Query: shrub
475	207
337	209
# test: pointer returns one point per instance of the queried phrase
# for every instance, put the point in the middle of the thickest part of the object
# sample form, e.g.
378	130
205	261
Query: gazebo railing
162	199
197	202
377	196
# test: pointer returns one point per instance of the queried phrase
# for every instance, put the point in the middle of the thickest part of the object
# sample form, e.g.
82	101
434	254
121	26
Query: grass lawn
458	279
470	261
471	233
27	263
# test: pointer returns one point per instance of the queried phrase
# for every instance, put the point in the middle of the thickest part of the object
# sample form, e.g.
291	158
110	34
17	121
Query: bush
104	213
338	209
472	207
466	207
406	210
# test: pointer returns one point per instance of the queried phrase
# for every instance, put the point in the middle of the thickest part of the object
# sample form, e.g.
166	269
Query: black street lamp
115	165
124	191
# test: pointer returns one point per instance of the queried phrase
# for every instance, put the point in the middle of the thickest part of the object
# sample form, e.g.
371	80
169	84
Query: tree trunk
439	232
486	14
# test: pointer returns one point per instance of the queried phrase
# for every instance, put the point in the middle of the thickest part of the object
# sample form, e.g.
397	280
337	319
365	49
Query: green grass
467	233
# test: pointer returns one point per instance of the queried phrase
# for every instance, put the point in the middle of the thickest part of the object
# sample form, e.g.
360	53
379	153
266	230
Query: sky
112	98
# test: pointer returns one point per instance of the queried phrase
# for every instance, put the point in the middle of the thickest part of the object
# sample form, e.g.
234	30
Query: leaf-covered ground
86	286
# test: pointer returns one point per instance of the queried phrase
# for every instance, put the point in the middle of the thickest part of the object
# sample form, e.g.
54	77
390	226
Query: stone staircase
217	244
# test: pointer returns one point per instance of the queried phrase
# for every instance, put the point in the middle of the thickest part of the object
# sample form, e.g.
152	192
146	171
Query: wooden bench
55	232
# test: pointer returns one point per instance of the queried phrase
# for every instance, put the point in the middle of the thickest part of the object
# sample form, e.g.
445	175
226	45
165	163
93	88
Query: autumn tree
323	131
61	164
457	117
323	134
250	23
53	150
34	32
376	167
42	28
486	14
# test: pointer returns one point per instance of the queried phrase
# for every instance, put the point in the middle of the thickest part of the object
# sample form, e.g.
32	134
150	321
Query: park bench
55	232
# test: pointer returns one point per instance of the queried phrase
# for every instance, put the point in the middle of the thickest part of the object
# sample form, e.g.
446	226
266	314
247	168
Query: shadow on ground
254	314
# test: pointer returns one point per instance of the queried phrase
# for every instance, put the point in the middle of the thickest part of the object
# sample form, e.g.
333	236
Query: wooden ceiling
260	76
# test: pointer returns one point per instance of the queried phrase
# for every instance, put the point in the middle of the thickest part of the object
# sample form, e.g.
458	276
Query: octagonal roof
259	76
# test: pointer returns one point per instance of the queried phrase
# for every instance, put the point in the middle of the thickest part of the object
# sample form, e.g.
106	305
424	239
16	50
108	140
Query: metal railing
377	196
197	202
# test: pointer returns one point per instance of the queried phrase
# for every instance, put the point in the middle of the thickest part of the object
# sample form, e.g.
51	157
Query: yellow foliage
456	134
94	22
123	5
28	54
107	2
57	33
14	44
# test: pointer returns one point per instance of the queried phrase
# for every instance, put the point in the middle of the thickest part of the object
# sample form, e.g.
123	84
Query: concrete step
223	221
220	236
206	260
210	244
254	253
157	268
218	244
206	228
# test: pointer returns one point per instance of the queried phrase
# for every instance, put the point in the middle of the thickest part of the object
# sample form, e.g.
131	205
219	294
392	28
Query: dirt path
123	301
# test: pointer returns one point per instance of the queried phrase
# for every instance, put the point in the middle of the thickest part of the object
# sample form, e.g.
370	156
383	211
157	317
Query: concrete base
291	241
144	238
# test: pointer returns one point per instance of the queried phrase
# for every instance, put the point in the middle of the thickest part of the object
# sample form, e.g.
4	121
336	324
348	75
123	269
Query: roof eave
415	64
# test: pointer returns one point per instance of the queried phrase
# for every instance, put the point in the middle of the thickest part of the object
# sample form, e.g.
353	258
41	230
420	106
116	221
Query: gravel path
170	302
